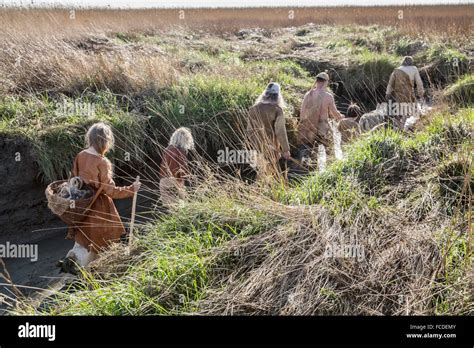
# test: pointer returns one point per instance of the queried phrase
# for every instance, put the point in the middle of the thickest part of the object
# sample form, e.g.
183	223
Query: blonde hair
100	137
182	139
270	98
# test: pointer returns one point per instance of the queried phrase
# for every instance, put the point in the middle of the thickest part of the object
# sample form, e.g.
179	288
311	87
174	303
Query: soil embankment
26	219
23	211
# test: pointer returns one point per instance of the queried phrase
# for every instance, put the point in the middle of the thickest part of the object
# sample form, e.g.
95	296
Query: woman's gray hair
100	137
182	139
271	98
408	61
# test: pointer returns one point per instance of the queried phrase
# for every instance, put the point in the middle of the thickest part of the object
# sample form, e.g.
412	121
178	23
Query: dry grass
290	271
394	257
56	50
234	248
449	20
53	65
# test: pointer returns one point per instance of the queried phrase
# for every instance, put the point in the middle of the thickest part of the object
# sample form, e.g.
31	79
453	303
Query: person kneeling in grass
174	167
102	225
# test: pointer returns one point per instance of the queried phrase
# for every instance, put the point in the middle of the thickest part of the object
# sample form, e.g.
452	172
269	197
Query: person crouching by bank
102	225
266	131
174	167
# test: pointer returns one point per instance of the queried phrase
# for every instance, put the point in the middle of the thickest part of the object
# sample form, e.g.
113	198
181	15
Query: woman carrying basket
102	225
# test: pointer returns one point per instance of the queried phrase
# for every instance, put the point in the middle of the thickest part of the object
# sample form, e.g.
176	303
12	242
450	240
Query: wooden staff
132	220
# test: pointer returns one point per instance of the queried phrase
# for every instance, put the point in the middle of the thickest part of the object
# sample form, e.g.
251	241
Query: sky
222	3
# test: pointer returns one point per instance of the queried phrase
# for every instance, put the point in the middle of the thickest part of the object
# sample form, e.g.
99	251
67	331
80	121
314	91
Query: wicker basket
69	211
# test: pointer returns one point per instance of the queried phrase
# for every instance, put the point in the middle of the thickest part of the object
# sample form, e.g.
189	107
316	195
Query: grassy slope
212	251
198	80
204	257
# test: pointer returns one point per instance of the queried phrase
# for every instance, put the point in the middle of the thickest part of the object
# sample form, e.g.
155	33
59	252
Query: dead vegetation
385	232
451	20
387	253
317	265
56	66
325	245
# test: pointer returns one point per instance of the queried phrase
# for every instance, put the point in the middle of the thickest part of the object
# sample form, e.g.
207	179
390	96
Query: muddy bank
30	277
22	201
26	219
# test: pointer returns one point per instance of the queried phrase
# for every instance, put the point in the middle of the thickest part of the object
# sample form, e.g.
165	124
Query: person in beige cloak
317	107
266	130
401	90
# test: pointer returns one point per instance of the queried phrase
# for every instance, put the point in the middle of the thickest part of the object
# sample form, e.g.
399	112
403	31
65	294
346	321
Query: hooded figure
266	129
401	84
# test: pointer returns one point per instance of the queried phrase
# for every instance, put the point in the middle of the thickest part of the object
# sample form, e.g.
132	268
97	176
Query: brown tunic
267	122
102	225
401	87
173	172
174	164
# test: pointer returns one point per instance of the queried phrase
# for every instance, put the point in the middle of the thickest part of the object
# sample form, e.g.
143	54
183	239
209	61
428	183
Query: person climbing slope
174	167
102	225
